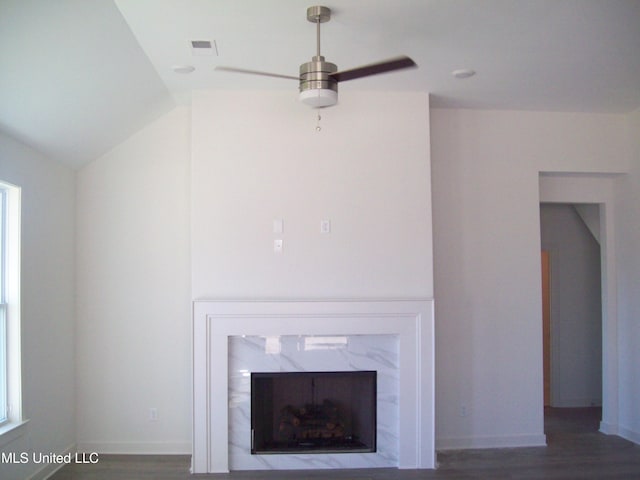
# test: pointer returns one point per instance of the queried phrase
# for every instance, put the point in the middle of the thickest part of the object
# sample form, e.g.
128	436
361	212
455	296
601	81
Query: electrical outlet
153	414
463	410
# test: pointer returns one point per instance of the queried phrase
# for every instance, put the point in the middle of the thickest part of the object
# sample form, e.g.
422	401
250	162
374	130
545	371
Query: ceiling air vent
203	47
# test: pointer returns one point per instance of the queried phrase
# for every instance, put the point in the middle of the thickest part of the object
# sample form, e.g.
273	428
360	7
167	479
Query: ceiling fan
319	79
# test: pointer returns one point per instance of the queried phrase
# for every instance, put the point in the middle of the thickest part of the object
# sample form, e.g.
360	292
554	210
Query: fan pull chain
318	127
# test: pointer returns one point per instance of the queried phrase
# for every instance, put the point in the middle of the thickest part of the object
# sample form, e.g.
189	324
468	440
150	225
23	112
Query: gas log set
311	422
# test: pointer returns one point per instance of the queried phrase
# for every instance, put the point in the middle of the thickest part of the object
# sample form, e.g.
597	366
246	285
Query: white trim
49	469
13	305
136	448
608	428
629	434
499	441
11	431
596	188
215	321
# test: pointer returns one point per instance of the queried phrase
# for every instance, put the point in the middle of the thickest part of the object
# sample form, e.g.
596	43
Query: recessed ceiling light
183	68
463	73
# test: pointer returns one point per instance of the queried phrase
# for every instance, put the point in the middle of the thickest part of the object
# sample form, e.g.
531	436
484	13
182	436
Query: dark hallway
567	421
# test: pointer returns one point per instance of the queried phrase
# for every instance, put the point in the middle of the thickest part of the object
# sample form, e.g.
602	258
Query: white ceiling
79	76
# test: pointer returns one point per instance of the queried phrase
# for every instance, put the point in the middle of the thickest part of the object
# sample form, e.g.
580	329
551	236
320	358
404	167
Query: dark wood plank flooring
575	451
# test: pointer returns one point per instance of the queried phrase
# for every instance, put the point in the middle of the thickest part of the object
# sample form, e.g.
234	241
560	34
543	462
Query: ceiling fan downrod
317	88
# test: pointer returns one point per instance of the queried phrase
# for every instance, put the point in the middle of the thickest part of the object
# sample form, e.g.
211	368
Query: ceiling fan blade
389	65
255	72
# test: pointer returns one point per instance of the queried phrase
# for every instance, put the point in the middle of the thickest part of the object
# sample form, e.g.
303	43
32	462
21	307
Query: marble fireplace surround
215	321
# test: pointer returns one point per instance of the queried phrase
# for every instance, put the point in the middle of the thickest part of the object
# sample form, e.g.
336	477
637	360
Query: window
10	408
3	310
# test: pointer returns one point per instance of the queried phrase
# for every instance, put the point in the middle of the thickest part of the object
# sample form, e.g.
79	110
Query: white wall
576	307
133	307
485	168
255	159
258	157
628	235
48	280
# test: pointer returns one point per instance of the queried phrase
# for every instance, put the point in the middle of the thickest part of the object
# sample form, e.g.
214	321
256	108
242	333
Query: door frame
557	187
545	261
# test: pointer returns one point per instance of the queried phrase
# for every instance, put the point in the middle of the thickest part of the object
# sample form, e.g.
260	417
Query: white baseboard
502	441
136	448
49	469
629	434
608	428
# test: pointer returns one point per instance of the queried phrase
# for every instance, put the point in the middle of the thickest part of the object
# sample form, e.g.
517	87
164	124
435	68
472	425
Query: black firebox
313	412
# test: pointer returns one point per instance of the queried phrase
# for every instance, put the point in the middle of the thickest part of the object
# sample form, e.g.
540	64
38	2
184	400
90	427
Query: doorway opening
572	316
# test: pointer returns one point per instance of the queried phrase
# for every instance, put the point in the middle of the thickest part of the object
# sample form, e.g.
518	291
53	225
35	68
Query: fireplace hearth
313	412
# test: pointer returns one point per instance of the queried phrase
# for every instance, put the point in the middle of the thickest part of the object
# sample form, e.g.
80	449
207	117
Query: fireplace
313	412
231	339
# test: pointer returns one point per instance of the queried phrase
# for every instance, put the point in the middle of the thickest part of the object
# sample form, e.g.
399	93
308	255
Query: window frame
4	398
10	348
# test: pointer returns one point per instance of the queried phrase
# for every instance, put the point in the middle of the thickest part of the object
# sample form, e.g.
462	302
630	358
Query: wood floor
575	451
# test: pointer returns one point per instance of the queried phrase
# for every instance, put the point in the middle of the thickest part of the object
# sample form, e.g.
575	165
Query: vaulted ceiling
79	76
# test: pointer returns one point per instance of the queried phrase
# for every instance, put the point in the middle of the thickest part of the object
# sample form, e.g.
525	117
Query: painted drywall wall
258	157
486	200
590	215
576	307
133	222
133	307
47	295
485	167
628	222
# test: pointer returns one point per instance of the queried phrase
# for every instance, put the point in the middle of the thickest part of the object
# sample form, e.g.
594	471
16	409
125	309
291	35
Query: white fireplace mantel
215	321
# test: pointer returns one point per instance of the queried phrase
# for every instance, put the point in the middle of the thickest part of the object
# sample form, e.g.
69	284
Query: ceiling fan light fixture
317	88
318	78
319	97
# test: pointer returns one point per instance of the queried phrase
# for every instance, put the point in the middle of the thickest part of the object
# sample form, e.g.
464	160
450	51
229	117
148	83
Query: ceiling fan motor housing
315	74
317	88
